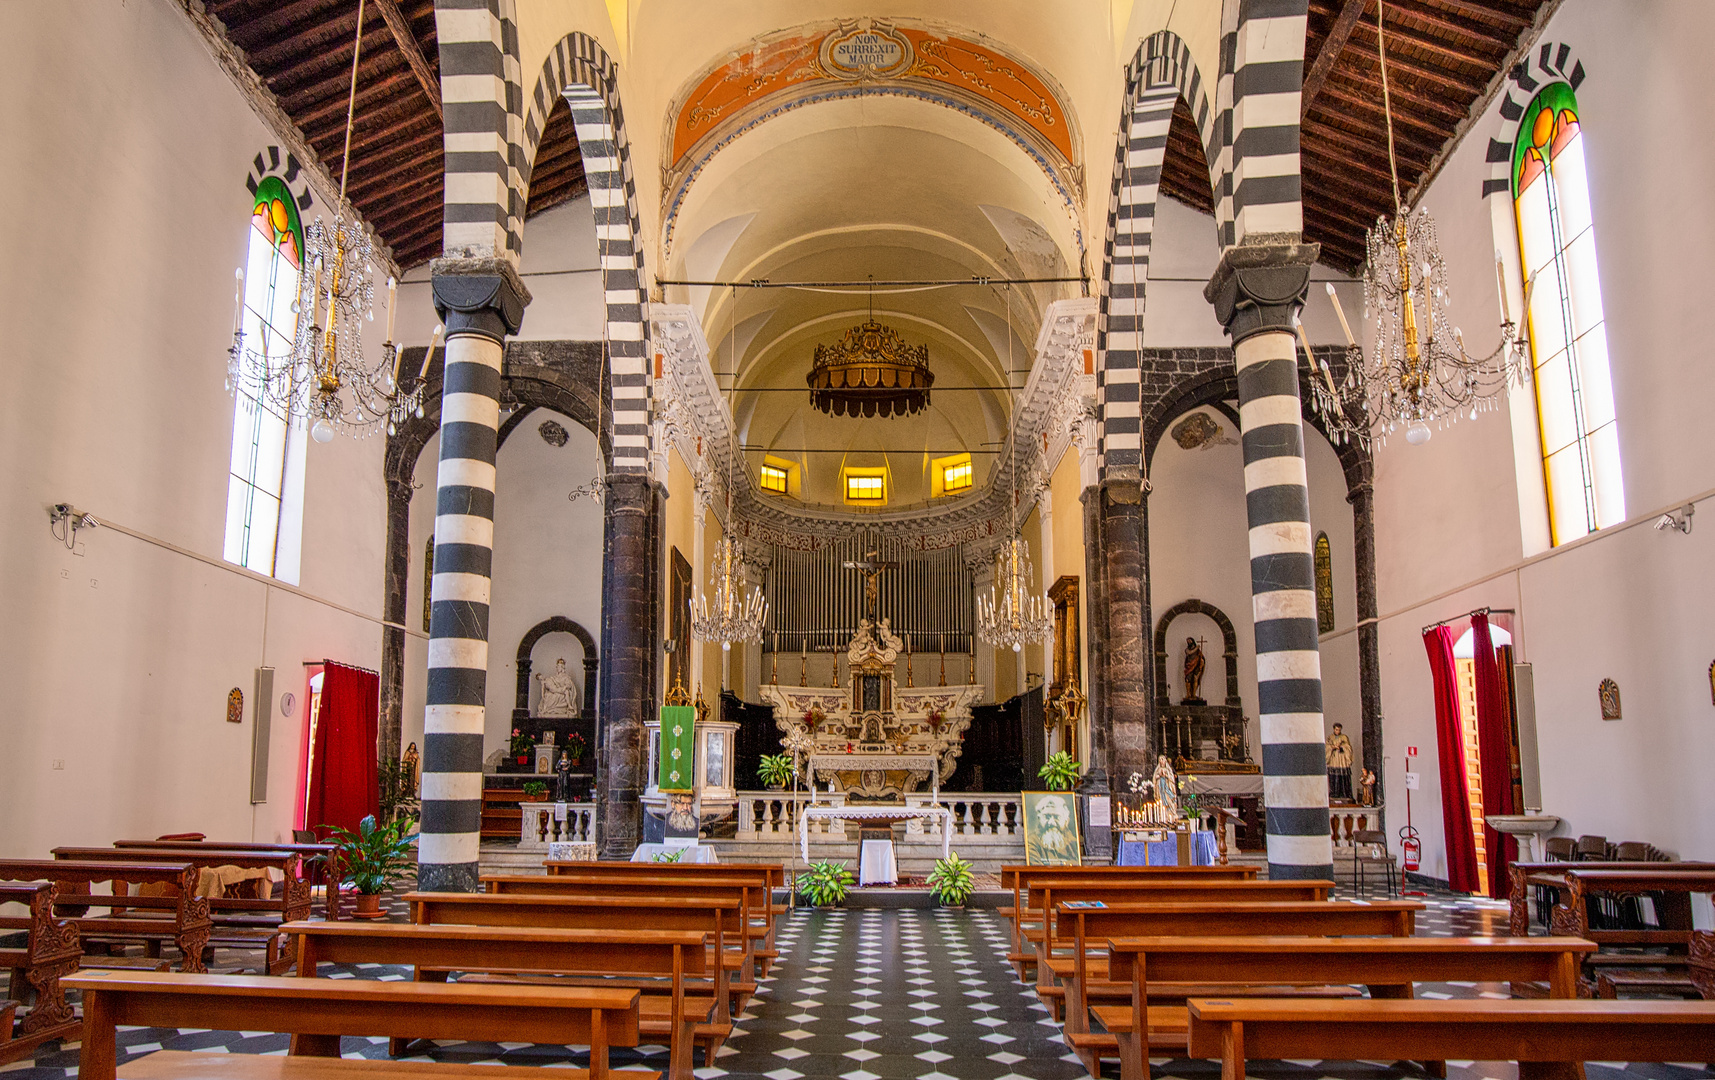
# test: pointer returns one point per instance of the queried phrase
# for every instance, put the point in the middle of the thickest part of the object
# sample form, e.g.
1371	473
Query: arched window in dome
1569	342
264	501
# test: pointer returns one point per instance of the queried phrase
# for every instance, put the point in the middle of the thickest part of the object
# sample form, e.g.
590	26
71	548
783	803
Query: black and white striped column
1256	292
481	301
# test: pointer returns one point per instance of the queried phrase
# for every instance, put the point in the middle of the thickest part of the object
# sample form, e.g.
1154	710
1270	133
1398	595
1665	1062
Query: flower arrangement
521	743
825	883
813	718
669	856
951	882
936	719
575	748
1059	772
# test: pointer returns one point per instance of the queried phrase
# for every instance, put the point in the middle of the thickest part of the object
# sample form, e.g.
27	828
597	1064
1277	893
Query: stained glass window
1568	336
265	480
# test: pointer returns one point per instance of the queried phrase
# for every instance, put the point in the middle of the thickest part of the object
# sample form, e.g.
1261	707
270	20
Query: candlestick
316	301
440	328
1501	284
1341	312
392	295
238	302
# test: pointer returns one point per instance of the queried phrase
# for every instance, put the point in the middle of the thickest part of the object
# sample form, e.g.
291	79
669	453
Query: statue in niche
558	691
563	779
1166	787
1194	666
1339	765
1367	786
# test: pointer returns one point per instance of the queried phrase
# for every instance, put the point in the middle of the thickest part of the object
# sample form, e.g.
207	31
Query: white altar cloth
861	813
876	863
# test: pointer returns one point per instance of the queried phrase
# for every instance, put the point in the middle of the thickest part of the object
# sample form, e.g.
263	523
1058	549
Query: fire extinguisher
1410	849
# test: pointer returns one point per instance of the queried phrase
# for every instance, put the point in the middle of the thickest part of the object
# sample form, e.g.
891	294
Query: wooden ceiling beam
1332	46
1368	107
1480	11
368	95
1374	143
407	42
300	86
1424	13
1398	35
254	23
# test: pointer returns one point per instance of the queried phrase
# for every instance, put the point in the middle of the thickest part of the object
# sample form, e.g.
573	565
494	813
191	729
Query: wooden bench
50	952
769	877
748	888
717	916
1547	1038
1085	978
181	917
1525	877
1019	879
246	923
317	1012
655	962
1388	967
190	1065
324	857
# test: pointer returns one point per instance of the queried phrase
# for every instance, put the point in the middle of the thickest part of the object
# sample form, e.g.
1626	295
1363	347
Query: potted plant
575	748
952	882
775	771
535	791
672	856
521	746
825	883
1059	772
374	858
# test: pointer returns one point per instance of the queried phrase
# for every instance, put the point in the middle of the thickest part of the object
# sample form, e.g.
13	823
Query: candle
238	302
392	294
1341	312
440	328
1501	284
316	301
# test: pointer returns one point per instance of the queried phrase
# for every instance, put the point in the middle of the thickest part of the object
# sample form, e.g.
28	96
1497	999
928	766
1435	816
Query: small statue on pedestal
1166	787
1194	665
563	779
1367	788
1339	766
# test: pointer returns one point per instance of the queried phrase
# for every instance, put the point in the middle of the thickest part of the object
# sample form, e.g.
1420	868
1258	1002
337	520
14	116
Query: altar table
874	814
1166	852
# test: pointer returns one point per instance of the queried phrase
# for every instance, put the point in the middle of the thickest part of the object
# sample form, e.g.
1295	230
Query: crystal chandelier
1419	373
324	378
1010	617
734	616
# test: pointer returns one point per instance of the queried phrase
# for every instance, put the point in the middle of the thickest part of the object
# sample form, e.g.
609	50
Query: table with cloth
1166	852
693	853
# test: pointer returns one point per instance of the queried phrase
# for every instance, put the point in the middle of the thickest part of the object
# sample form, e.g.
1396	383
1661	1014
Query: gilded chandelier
324	378
1010	616
1419	373
733	616
871	371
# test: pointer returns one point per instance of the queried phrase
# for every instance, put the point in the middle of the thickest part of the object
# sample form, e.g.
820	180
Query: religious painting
1050	828
1609	695
1324	585
235	706
428	580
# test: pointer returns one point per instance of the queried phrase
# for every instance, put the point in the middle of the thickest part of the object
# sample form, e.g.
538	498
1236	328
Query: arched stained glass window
265	485
1569	343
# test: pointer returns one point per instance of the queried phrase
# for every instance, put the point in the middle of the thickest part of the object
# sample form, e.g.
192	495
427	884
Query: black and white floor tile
882	995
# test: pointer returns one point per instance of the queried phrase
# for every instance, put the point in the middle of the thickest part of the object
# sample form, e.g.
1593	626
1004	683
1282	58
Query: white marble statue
558	692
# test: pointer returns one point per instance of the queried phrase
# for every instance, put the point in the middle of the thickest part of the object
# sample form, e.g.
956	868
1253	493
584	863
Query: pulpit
872	739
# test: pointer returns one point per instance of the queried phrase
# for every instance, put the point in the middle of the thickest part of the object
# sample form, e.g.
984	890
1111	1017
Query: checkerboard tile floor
884	995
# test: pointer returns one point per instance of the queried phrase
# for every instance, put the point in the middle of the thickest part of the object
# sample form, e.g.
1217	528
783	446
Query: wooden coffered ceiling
1442	57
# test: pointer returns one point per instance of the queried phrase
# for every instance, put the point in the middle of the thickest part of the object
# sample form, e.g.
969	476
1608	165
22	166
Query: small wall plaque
235	706
1609	694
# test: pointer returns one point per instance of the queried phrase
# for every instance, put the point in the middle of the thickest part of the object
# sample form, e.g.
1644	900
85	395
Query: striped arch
482	95
1159	75
1552	62
579	70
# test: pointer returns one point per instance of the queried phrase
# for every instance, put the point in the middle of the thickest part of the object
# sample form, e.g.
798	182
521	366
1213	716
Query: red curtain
1455	797
1494	753
344	787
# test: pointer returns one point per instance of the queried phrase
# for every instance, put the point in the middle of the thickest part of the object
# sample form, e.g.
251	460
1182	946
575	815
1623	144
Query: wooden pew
1019	879
181	918
1525	877
747	888
192	1065
718	916
1670	886
677	1020
1551	1037
312	855
769	877
1387	966
317	1012
1086	979
238	922
51	951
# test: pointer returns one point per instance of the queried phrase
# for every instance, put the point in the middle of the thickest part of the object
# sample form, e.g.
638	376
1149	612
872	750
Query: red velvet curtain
344	787
1494	753
1455	797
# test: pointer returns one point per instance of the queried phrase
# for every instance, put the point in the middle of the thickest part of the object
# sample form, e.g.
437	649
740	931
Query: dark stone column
1362	497
1096	605
393	583
1125	656
628	664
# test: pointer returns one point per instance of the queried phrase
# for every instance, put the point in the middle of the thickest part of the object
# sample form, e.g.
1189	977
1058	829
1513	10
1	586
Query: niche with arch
1197	735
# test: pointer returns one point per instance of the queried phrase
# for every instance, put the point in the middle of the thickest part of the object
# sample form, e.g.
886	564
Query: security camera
1678	524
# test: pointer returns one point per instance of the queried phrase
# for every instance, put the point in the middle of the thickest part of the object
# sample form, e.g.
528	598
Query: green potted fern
825	883
775	771
952	881
1059	772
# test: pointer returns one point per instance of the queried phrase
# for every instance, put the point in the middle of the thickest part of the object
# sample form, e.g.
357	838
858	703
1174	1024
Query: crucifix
871	567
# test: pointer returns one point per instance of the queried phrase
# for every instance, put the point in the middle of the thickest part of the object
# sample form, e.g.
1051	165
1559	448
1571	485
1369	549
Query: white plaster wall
547	562
1628	603
125	155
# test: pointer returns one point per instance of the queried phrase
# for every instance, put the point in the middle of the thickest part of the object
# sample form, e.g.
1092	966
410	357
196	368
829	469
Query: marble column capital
478	296
1258	288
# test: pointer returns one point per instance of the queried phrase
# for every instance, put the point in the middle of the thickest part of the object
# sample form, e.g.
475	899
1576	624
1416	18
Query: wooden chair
1571	1031
51	951
1369	849
317	1012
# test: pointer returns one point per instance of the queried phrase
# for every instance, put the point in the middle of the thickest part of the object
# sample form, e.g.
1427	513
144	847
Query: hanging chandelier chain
1387	107
351	105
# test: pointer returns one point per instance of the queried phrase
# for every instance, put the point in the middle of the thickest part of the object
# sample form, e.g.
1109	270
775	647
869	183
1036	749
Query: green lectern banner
678	747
